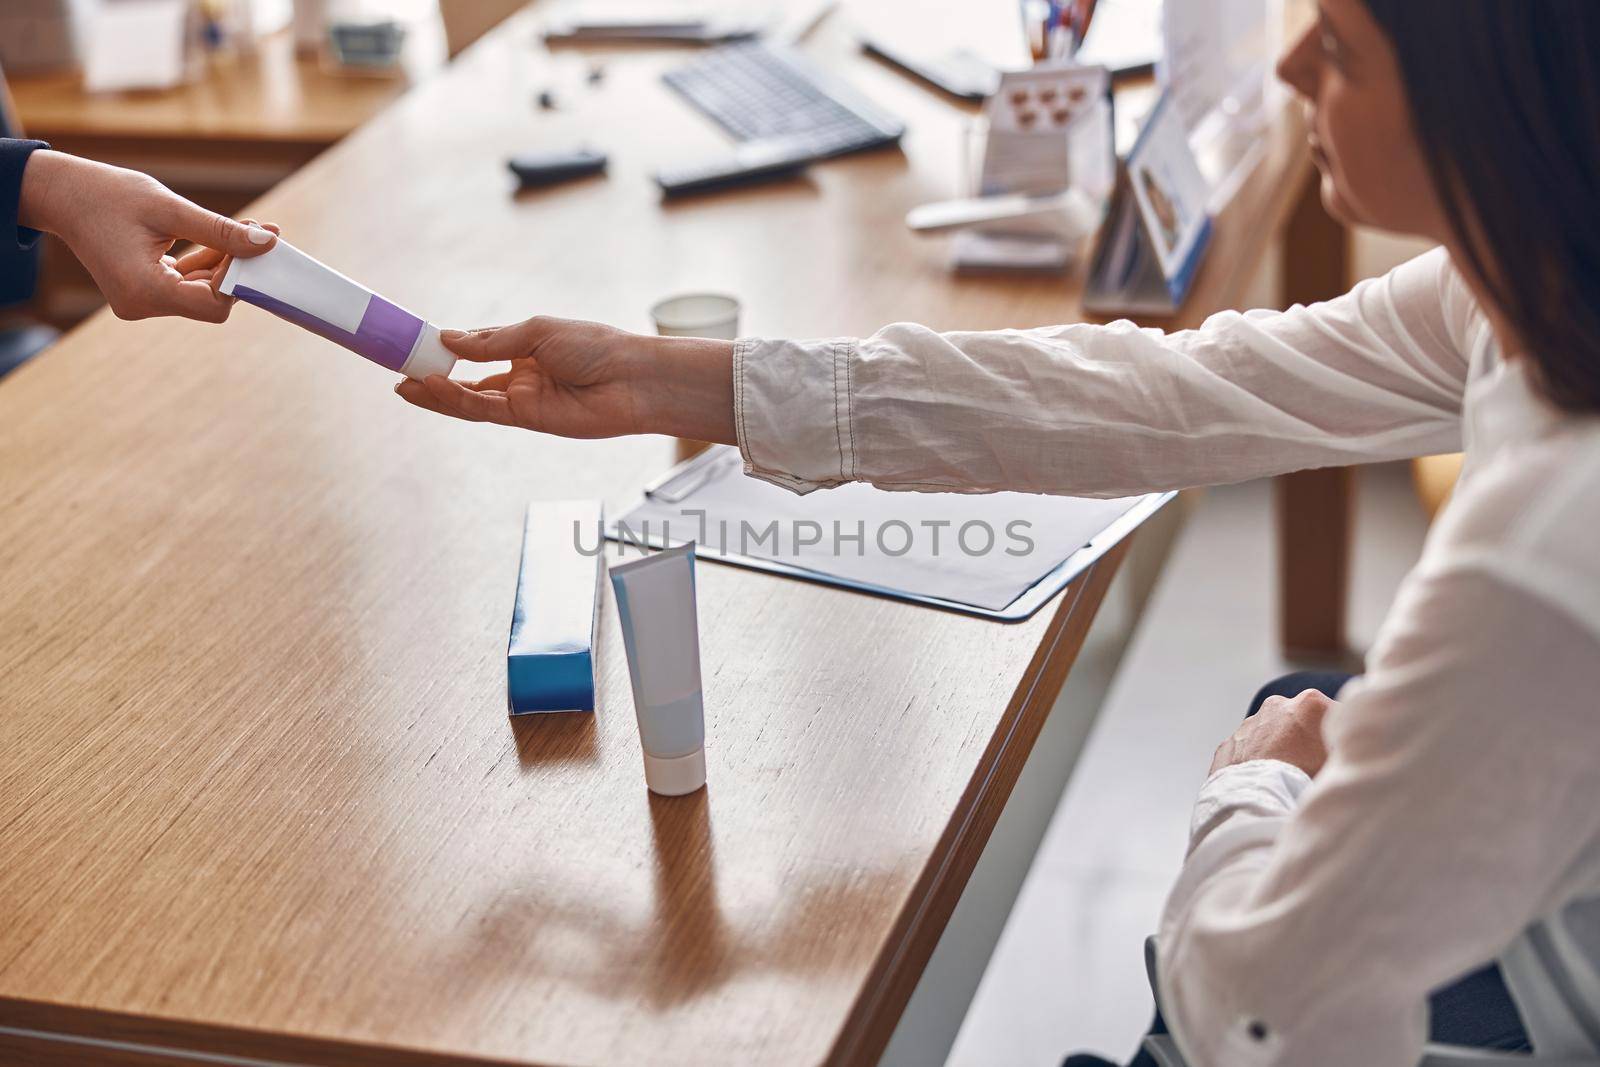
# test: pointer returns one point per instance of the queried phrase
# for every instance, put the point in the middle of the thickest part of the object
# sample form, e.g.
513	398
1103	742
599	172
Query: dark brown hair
1505	98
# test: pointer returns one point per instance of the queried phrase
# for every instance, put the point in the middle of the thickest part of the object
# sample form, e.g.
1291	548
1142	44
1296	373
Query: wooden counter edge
66	1034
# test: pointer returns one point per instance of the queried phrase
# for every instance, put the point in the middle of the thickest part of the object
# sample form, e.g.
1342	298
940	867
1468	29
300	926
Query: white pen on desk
679	484
799	24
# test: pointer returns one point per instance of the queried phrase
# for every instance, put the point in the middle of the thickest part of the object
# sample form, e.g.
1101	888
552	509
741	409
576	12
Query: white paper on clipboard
982	551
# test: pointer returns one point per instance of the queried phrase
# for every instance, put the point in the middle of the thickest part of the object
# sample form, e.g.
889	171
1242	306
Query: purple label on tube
386	335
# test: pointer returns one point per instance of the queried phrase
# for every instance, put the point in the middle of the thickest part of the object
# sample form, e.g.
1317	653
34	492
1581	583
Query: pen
679	483
1055	20
1038	45
1081	28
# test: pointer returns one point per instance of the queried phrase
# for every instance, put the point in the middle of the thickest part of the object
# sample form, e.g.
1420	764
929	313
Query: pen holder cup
998	165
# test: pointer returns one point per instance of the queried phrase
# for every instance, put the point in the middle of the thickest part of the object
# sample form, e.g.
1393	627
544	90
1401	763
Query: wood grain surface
258	791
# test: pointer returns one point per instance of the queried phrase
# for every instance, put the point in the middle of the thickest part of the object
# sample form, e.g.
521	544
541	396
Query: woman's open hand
567	378
583	379
122	225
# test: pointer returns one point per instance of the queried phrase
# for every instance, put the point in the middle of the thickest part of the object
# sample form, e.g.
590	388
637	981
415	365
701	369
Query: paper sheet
1124	33
984	550
1216	51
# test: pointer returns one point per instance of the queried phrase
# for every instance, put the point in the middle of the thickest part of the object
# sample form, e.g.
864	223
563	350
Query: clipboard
679	485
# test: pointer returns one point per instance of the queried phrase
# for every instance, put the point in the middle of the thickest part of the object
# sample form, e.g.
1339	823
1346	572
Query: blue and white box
550	659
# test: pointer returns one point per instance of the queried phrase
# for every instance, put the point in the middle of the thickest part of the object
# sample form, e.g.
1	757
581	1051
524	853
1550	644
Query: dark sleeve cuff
13	161
17	259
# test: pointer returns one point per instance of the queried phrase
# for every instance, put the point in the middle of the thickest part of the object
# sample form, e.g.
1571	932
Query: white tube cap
676	776
428	355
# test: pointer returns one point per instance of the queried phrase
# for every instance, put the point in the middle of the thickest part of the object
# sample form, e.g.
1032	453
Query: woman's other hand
122	225
1284	729
582	379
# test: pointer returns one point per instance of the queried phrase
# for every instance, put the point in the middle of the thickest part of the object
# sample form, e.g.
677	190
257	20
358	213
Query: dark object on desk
750	162
690	30
370	43
759	92
546	168
1133	71
959	73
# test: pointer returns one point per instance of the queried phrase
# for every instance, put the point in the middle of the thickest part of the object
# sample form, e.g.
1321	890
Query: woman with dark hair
1355	850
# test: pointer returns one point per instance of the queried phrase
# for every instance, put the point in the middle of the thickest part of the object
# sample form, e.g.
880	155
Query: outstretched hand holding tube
583	379
122	225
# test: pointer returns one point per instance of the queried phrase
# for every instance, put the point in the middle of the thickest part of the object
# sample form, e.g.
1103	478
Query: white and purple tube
312	295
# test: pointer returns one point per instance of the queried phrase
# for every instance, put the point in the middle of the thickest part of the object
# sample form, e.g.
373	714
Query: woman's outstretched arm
1081	409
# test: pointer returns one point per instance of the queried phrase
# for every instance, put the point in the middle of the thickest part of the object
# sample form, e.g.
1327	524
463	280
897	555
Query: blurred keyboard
760	92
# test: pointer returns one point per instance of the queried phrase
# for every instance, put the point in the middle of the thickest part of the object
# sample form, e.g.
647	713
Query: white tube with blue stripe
661	632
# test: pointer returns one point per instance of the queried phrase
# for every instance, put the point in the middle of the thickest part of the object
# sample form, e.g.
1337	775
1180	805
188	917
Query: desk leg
1315	509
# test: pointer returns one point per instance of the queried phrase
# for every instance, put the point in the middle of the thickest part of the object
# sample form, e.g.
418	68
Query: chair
19	342
1165	1051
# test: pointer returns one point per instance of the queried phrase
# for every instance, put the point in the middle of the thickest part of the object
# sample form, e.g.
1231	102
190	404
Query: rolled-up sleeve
787	411
1115	410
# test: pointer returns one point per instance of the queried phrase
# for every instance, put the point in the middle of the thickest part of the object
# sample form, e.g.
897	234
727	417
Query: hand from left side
122	225
1284	729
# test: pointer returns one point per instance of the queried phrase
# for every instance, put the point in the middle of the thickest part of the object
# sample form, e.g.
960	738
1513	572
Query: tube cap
428	355
676	776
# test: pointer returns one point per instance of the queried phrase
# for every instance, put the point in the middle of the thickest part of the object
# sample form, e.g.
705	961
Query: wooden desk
258	792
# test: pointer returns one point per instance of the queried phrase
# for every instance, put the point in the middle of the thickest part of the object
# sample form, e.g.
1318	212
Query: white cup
697	315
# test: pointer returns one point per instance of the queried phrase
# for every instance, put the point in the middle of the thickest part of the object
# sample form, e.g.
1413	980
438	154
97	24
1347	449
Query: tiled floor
1067	973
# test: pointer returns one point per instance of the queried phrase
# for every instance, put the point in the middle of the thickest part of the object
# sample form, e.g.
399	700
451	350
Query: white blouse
1460	805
